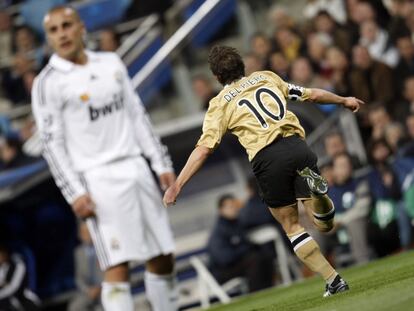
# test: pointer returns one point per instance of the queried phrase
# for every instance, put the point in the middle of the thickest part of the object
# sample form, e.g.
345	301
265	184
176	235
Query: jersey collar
64	65
227	85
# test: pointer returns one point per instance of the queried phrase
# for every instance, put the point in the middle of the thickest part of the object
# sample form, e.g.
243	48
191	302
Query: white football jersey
89	115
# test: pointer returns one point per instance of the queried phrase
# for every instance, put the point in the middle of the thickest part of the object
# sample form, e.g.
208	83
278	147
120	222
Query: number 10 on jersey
259	116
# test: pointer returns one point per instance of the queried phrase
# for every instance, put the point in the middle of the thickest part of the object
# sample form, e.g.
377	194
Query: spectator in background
231	254
372	81
317	44
14	292
409	123
409	21
109	40
254	212
203	89
399	10
87	273
376	40
394	136
335	146
406	106
352	203
405	66
279	18
379	119
252	63
288	42
338	64
407	150
301	73
335	8
25	44
5	39
279	65
261	46
360	11
323	23
18	80
11	153
385	192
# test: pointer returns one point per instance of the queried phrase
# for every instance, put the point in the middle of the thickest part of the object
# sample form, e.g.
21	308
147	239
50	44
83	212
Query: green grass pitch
386	284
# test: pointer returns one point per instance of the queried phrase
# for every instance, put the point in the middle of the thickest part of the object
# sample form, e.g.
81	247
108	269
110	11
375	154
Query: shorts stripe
98	242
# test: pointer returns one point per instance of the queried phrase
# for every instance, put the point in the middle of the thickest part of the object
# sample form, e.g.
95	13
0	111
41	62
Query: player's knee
162	264
118	273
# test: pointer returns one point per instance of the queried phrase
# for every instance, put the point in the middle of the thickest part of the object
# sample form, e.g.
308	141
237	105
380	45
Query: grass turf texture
386	284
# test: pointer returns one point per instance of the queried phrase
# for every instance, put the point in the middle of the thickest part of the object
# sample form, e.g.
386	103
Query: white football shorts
131	222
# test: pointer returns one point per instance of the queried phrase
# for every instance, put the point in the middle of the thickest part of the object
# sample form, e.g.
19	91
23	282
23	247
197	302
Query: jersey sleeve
149	142
289	90
47	111
214	126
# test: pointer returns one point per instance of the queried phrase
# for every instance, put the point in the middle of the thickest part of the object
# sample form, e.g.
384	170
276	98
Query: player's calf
323	210
324	222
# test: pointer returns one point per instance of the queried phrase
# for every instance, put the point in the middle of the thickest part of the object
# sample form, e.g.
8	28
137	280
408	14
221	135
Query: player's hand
83	206
166	180
94	292
353	103
170	196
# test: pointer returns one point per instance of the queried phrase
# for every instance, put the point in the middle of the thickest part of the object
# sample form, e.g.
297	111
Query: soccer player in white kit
95	133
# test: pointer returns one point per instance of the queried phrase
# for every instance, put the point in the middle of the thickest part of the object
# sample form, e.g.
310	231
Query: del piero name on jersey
116	104
234	91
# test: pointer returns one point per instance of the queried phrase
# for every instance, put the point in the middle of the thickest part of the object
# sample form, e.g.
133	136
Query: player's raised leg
307	249
116	290
160	283
320	205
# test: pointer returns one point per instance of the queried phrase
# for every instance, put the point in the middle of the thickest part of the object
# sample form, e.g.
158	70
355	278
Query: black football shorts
276	166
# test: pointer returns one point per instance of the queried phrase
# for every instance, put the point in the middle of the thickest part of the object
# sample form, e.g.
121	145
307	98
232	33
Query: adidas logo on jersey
116	104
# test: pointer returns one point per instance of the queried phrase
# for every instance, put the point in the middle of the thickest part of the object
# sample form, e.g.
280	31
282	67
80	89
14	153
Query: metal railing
173	42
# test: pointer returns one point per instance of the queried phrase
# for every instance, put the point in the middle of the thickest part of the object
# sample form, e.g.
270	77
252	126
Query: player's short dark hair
223	198
226	64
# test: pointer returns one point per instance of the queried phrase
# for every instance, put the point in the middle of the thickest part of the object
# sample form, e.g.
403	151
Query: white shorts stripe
98	243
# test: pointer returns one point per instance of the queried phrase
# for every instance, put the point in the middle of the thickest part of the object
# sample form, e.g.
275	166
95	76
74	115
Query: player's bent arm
194	163
325	97
46	107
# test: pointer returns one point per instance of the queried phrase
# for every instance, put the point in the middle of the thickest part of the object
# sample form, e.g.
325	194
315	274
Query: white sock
161	291
116	296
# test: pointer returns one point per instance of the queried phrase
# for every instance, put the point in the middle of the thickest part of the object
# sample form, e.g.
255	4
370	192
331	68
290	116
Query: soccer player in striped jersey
95	134
254	109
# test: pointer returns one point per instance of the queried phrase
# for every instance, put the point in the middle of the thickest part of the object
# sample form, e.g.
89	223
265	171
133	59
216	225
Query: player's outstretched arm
325	97
194	163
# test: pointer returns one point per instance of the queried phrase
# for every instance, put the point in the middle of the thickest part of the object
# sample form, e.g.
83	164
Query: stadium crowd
361	48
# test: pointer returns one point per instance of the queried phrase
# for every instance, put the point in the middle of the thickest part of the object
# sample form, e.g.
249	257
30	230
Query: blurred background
356	48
